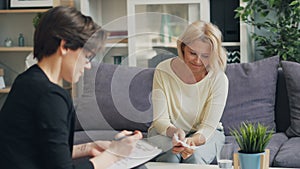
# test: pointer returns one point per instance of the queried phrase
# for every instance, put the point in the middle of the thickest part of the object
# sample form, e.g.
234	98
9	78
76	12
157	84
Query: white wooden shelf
16	49
11	11
5	90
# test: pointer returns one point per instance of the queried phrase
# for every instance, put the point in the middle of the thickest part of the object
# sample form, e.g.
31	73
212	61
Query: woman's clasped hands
185	145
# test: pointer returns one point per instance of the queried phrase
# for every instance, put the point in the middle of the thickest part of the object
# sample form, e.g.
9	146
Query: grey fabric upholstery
116	97
282	109
93	135
153	62
251	95
277	140
292	76
123	95
289	154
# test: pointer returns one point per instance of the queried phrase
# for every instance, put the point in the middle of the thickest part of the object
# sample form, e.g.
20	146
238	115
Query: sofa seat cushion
289	154
277	140
292	76
274	145
94	135
251	95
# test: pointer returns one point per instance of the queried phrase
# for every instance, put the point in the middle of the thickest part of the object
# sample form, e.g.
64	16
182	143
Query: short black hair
63	23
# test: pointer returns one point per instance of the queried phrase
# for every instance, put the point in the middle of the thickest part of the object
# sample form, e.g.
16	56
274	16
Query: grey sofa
119	97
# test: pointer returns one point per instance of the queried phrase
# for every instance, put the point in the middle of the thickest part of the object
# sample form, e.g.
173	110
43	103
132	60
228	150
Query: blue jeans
204	154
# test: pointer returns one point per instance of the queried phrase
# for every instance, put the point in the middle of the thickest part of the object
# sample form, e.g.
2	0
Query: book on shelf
117	36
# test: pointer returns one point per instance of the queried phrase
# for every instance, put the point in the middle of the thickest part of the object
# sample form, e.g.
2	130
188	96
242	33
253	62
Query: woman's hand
198	139
177	146
97	147
187	152
195	140
90	149
115	150
123	147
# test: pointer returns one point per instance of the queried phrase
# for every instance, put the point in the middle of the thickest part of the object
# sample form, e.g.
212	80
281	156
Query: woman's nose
198	59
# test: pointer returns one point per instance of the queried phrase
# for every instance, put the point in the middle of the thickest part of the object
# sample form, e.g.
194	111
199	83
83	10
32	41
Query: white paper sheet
142	153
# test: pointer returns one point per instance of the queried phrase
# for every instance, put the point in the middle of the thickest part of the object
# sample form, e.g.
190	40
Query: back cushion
282	110
292	77
116	97
251	95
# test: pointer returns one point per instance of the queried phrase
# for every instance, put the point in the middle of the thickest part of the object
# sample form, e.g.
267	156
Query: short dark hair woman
37	119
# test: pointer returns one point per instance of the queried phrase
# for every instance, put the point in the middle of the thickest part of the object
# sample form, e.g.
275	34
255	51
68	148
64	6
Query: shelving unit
139	48
16	49
111	13
12	59
13	11
139	53
5	90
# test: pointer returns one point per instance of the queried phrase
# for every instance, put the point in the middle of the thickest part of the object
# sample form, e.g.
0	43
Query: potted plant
36	19
252	140
276	26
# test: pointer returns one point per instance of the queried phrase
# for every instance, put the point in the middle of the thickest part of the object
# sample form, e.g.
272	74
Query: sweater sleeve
53	123
161	116
215	106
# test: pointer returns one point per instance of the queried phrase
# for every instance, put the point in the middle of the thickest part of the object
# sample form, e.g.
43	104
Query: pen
120	138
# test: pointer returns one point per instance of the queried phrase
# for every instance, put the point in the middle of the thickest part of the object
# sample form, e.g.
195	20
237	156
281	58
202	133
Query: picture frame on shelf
30	3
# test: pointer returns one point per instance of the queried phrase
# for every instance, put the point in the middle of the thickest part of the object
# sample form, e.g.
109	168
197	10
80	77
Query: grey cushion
153	62
251	95
123	94
289	154
93	135
292	76
277	140
116	97
282	109
89	116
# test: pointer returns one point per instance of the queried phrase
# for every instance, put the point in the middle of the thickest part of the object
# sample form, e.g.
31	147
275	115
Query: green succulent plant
36	19
252	138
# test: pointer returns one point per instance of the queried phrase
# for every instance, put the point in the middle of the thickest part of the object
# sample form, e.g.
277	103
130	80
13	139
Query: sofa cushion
291	72
289	154
251	95
89	116
277	140
115	97
282	109
93	135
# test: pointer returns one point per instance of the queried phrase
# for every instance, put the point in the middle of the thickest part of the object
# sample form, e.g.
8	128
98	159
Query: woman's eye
204	56
193	53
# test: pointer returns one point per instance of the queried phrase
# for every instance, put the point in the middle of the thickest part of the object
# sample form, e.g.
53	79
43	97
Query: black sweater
37	125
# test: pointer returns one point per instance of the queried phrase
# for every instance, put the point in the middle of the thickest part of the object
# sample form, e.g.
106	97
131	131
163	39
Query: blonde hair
207	33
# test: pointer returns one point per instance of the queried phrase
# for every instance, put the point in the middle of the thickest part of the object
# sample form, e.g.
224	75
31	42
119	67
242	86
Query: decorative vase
250	161
8	42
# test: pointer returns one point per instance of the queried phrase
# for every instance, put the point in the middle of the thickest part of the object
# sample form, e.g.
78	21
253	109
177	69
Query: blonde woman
189	96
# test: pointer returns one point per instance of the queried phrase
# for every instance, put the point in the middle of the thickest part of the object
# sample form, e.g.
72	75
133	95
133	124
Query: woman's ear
62	48
182	47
